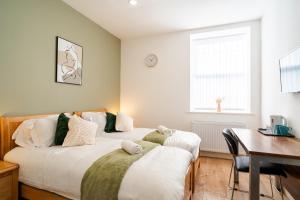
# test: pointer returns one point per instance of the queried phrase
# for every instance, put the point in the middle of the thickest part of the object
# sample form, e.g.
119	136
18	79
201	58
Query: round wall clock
151	60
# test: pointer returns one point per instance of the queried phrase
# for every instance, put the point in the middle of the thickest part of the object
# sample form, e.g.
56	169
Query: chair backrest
231	143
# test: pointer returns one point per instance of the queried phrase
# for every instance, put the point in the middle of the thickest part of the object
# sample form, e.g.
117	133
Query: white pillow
22	134
124	122
43	132
24	125
98	117
80	132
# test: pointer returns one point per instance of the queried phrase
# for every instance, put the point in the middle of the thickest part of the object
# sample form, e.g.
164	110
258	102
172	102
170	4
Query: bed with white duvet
124	125
60	169
183	139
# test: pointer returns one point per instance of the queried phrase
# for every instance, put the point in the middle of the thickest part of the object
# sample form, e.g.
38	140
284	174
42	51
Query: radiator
211	134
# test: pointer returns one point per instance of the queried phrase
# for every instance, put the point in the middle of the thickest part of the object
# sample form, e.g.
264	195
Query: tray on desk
269	132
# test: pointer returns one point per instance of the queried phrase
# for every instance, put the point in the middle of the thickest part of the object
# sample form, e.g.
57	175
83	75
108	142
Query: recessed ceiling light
133	2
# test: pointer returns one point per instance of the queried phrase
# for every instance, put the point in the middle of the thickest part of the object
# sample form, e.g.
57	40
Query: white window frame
215	34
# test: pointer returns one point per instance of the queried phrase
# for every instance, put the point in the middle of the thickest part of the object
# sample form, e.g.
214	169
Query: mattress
182	139
60	170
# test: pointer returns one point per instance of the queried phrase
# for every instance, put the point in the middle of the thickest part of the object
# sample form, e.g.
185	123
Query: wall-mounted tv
290	72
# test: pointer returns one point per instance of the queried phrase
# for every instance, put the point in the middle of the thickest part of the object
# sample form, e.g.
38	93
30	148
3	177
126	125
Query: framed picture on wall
68	62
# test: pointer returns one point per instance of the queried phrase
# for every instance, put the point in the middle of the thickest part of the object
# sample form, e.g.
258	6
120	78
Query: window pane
220	68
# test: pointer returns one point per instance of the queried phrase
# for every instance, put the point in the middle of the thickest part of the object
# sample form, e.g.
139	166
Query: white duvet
160	174
182	139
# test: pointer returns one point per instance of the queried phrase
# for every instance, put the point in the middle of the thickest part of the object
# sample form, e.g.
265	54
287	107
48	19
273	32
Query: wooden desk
261	148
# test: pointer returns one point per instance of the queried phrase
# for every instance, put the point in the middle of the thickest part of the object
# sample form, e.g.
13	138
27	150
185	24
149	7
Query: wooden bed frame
10	124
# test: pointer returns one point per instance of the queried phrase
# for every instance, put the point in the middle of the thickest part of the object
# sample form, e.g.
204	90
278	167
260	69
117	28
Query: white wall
160	95
280	35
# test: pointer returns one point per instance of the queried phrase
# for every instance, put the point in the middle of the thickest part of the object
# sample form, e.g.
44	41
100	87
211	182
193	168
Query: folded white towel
131	147
165	131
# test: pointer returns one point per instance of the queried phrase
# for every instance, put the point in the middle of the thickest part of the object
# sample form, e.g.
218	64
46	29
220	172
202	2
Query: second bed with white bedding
61	169
182	139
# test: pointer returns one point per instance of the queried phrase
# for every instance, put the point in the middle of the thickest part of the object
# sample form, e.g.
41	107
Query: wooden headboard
79	113
8	127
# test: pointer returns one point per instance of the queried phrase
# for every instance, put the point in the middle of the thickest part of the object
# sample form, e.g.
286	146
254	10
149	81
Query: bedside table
8	181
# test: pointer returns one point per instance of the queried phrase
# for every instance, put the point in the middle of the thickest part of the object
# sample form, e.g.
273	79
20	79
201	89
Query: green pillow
61	129
110	123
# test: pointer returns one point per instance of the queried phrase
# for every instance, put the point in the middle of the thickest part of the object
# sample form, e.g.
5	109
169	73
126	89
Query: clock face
151	60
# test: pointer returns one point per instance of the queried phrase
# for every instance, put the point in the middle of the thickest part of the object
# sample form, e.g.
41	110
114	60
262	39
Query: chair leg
281	188
230	175
270	178
233	189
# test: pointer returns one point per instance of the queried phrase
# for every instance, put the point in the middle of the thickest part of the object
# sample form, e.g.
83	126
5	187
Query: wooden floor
211	182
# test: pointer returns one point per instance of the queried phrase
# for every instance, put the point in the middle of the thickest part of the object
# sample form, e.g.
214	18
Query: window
220	69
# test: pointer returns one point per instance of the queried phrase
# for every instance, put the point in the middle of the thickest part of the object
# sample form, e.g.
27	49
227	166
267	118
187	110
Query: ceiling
160	16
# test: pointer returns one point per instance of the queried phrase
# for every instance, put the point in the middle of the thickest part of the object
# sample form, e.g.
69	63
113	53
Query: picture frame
69	61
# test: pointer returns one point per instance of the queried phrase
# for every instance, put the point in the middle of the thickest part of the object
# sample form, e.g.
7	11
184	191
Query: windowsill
221	113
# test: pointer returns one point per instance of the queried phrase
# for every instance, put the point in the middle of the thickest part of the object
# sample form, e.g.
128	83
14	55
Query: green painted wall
28	31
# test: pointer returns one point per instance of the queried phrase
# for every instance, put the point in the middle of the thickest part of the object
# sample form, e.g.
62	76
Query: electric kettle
277	120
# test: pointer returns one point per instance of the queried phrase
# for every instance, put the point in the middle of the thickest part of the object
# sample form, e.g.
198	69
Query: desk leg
254	178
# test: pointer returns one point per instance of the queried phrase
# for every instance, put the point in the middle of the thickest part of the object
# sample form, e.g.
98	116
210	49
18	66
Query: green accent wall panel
28	31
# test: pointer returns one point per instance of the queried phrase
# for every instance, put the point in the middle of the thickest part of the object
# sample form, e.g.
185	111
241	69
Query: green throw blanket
103	179
155	137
